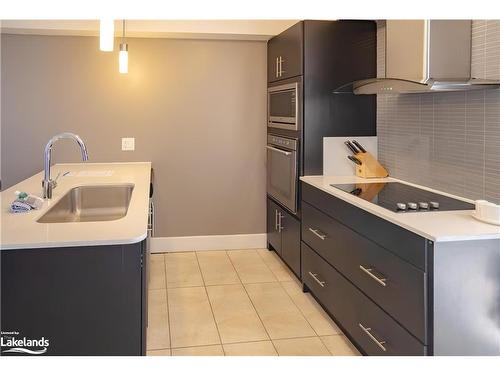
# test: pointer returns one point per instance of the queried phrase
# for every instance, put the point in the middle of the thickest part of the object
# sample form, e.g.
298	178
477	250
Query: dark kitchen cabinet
395	285
290	242
372	276
284	54
323	56
87	300
336	53
283	235
273	231
373	330
319	57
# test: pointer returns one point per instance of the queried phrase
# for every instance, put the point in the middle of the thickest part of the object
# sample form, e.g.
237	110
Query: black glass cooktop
399	197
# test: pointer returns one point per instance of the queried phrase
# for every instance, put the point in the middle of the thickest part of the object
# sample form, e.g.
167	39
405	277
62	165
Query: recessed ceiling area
182	29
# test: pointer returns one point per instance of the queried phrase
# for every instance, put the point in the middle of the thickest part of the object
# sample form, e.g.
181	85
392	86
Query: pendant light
106	35
123	55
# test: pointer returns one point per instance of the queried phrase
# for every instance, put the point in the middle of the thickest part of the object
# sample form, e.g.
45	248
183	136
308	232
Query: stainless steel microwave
284	106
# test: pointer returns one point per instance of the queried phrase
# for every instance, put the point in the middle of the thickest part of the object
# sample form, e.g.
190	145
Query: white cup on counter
487	211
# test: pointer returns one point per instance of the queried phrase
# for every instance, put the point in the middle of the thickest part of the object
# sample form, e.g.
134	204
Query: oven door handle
287	153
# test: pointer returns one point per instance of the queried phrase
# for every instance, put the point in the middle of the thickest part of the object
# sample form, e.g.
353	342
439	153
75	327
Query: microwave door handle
278	150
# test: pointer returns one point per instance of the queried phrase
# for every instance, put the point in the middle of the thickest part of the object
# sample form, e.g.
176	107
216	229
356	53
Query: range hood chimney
424	56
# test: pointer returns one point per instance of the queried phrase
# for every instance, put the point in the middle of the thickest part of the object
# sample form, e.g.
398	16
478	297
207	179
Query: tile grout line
293	302
312	337
228	343
159	350
248	296
196	286
149	306
249	342
209	302
286	293
303	315
291	299
168	307
256	311
298	308
198	346
263	261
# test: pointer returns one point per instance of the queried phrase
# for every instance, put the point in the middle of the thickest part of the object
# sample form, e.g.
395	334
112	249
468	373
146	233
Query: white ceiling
190	29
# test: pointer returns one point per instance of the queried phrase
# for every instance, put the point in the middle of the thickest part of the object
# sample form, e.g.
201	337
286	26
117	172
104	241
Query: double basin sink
90	203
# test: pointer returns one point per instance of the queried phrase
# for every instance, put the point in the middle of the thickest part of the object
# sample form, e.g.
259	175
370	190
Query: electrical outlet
128	144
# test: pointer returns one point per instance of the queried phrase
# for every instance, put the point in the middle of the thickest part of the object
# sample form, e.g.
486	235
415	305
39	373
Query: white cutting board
335	162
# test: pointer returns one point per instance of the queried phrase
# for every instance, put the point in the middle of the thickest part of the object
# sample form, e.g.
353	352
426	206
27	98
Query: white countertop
22	231
437	226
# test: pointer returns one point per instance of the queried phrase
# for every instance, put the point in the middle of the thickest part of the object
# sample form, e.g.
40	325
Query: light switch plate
128	144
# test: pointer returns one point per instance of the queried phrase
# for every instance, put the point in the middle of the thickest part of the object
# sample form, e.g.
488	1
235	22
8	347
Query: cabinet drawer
405	244
395	285
369	326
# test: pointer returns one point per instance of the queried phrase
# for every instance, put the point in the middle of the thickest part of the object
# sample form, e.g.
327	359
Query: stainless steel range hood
424	56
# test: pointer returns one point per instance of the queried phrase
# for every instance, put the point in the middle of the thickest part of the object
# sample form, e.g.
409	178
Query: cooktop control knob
412	205
401	206
434	205
423	205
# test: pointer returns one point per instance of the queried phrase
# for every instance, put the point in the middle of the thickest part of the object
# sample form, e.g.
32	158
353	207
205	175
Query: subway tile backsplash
447	141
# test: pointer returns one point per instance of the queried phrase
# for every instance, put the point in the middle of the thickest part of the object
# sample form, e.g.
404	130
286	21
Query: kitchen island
76	287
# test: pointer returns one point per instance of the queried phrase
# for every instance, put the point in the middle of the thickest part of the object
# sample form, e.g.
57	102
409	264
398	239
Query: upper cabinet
284	54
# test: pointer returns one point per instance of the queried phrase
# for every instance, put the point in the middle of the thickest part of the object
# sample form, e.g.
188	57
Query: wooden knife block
370	167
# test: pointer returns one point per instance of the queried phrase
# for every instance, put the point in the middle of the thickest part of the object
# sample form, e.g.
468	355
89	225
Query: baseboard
199	243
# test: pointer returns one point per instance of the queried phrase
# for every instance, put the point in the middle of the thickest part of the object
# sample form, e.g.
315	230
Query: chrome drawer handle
380	344
368	271
315	277
318	233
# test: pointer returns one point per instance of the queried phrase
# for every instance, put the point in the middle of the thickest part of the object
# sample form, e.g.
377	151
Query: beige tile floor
235	303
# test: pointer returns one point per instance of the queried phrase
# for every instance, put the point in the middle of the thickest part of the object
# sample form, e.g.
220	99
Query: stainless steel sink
90	203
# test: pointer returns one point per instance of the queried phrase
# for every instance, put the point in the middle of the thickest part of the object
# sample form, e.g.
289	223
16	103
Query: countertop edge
377	212
55	245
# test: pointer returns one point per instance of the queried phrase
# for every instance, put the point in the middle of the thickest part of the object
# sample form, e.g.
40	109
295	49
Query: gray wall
196	109
448	141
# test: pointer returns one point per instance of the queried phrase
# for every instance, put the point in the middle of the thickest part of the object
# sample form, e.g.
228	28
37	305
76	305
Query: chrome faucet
48	184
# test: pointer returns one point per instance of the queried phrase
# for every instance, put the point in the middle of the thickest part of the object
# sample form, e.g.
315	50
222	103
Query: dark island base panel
83	300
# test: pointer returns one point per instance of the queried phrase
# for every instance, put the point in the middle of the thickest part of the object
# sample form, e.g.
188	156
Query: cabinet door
290	242
273	230
273	53
291	41
284	54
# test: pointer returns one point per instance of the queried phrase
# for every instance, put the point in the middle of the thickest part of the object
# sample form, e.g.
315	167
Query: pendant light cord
123	31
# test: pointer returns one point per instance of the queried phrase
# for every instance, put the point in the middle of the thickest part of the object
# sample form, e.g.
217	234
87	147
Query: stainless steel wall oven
282	170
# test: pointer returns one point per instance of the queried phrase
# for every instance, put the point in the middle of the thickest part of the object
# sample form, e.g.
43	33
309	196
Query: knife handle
356	143
354	160
351	147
